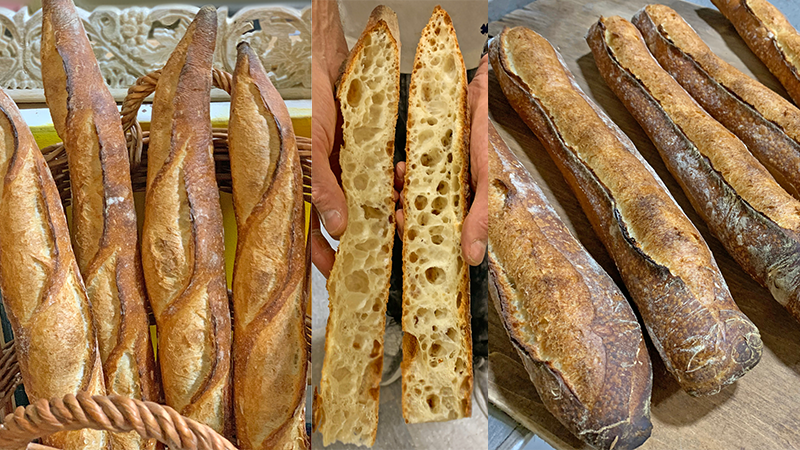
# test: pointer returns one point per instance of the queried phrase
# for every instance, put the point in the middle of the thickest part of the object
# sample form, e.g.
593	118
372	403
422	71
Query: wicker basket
115	413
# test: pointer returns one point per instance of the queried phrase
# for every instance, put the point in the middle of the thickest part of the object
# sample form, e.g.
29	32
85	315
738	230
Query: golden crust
43	293
770	36
269	275
767	249
182	244
725	152
538	270
768	124
665	263
85	117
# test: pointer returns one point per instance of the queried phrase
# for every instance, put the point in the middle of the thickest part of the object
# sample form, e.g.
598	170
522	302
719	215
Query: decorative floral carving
131	42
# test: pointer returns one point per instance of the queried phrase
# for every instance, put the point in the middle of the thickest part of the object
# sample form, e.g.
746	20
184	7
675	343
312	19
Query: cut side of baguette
346	405
437	346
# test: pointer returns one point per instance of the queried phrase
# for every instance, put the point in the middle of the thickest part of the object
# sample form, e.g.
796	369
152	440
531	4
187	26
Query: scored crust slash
662	258
573	329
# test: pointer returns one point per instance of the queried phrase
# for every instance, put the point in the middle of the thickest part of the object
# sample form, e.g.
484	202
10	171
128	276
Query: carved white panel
131	42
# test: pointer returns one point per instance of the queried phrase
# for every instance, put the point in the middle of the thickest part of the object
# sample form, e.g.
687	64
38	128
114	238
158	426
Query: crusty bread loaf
770	36
42	289
103	215
346	406
270	353
182	245
756	220
437	345
766	122
703	338
572	327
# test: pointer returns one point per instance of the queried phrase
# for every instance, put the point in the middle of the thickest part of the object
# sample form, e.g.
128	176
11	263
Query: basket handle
144	86
108	413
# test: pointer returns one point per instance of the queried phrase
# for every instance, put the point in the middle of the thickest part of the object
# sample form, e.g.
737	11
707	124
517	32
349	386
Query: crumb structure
358	288
437	358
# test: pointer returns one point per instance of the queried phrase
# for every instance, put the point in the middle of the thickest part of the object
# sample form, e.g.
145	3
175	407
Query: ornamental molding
132	42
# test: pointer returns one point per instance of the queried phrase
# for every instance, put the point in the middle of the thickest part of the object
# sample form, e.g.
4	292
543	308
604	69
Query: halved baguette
85	116
770	36
270	353
182	238
756	220
573	329
43	293
346	405
703	338
437	345
765	121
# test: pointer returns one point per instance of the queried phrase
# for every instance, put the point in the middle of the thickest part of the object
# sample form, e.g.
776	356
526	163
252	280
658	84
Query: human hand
327	197
474	232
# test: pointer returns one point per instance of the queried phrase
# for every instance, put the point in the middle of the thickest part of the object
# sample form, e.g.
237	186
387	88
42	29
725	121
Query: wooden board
760	411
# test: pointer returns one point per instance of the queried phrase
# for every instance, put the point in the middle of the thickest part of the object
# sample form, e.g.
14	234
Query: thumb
328	198
475	232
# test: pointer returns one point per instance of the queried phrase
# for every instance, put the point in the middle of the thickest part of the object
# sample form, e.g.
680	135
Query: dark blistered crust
89	101
660	296
768	141
188	73
762	42
615	411
765	250
731	344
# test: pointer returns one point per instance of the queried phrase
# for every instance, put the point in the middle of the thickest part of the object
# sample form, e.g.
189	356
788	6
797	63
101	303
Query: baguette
346	406
437	343
755	219
703	338
270	353
182	246
573	329
768	124
43	293
770	36
86	118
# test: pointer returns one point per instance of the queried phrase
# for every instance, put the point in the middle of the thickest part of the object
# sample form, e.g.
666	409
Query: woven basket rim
112	412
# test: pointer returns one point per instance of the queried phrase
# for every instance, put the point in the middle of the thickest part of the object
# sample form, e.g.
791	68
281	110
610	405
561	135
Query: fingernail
331	220
476	251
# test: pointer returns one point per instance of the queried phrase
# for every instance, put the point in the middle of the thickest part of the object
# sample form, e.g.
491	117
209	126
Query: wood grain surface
757	412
